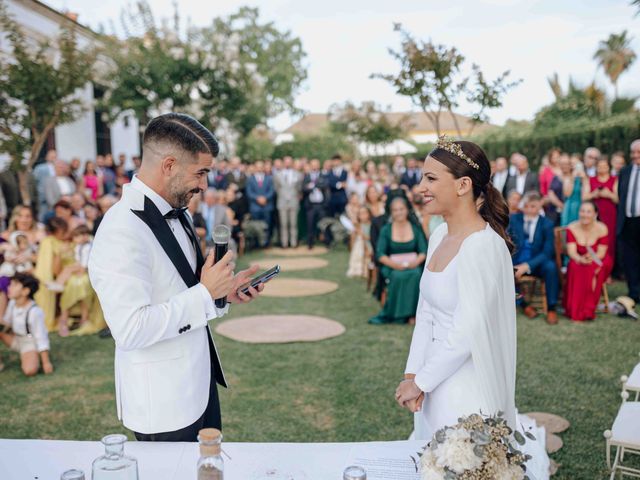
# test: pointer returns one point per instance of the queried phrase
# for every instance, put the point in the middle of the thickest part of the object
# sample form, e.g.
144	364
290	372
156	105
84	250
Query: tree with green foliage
615	55
237	72
368	123
574	104
38	91
431	76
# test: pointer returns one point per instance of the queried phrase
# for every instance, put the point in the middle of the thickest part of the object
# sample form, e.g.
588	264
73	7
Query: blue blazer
543	248
338	194
254	191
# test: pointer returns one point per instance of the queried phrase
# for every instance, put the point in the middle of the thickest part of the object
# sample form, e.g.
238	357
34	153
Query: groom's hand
235	296
415	405
218	277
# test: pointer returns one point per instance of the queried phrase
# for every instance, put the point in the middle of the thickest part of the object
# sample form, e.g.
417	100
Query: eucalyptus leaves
478	447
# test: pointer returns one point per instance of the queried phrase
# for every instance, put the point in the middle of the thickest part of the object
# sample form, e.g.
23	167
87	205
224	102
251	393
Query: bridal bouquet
477	448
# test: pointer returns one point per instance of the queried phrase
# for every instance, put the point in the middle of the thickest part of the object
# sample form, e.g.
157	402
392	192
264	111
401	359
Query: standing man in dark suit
314	189
337	184
260	192
524	179
236	174
532	235
217	177
628	223
412	175
500	176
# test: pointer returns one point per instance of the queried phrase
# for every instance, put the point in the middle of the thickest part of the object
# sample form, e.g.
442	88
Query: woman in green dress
401	251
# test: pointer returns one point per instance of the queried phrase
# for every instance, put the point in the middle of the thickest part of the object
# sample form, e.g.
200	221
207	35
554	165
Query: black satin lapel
158	225
188	224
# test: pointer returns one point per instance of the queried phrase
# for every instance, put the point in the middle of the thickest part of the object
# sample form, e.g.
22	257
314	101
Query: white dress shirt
521	180
532	223
499	179
17	318
634	188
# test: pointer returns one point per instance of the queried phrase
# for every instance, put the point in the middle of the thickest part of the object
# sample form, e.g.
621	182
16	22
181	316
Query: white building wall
78	139
125	137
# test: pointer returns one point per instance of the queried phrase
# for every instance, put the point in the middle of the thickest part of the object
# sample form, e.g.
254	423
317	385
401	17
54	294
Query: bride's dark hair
493	207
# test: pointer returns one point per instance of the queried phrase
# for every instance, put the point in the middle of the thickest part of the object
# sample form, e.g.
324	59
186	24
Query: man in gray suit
524	180
41	173
288	186
59	185
213	213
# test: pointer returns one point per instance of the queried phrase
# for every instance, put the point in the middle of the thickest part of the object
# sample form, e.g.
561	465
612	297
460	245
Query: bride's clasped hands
409	395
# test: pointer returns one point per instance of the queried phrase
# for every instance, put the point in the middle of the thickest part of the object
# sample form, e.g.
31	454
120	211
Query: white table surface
47	459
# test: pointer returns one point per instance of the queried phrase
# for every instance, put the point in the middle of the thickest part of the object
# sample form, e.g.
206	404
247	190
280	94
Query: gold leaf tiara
455	148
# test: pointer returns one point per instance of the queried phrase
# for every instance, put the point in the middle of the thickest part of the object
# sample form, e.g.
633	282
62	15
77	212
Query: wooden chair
560	244
534	292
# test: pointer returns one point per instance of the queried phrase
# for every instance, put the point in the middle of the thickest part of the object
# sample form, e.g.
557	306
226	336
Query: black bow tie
175	213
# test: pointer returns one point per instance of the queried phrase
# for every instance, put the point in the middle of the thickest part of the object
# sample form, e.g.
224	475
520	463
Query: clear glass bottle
73	475
210	464
114	464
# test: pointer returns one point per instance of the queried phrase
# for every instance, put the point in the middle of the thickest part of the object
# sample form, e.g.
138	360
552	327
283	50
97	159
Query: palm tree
615	55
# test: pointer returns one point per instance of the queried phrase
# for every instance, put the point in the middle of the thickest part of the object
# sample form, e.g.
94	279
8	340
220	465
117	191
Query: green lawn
338	390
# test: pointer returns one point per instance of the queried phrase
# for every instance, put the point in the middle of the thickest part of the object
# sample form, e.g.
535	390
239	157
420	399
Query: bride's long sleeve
447	356
421	336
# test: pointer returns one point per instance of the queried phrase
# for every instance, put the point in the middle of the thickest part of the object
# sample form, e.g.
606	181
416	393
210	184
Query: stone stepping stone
292	264
551	422
280	329
297	287
554	443
296	252
553	467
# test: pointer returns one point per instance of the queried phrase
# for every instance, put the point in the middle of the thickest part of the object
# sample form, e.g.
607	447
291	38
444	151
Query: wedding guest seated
589	264
53	255
360	245
513	201
64	210
532	235
22	220
26	333
401	250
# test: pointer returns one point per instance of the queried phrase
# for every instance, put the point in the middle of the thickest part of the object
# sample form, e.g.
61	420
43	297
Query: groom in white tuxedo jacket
157	291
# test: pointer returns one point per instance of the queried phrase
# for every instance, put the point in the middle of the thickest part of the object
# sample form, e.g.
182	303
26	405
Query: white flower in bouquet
456	452
510	472
428	467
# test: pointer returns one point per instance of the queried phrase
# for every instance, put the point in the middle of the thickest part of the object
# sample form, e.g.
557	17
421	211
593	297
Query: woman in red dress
589	264
602	190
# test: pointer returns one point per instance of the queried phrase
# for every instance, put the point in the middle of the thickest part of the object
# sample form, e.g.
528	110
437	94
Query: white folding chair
631	383
624	436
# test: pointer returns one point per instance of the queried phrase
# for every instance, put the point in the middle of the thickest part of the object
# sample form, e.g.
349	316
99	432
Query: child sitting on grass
23	330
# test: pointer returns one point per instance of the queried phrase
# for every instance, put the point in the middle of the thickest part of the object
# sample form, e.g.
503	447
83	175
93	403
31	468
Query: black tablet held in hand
264	277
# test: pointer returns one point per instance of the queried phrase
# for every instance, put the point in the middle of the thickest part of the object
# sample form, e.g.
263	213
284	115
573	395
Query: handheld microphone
221	235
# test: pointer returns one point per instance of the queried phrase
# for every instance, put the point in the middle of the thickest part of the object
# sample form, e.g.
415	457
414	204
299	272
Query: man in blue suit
337	180
260	193
532	235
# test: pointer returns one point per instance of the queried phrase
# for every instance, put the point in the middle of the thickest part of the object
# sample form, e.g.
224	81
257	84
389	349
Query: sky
347	40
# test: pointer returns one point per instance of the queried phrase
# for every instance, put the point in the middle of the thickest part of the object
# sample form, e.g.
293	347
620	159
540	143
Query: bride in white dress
463	353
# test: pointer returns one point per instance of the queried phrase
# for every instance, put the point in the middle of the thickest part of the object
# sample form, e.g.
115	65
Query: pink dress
92	182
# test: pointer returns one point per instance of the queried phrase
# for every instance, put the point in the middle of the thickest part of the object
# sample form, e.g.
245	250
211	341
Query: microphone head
221	234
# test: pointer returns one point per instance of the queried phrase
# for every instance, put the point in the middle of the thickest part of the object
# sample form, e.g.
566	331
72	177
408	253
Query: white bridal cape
463	350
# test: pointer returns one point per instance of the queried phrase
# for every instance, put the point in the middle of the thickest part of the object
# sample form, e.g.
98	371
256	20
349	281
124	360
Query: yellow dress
76	289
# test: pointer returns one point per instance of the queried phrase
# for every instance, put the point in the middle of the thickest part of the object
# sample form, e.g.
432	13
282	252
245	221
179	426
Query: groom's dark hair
182	131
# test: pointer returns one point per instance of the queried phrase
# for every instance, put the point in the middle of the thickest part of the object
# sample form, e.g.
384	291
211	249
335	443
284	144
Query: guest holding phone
589	265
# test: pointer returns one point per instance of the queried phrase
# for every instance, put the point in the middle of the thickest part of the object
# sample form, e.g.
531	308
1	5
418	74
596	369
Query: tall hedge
609	135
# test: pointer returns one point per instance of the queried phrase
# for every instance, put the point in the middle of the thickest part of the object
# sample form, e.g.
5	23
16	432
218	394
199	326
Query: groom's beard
180	198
